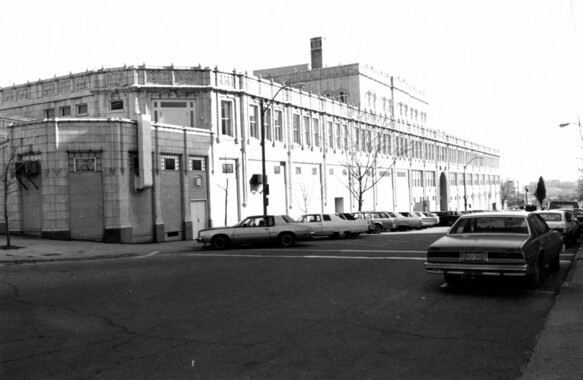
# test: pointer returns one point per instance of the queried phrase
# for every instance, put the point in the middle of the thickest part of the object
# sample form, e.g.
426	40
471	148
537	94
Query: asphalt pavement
558	353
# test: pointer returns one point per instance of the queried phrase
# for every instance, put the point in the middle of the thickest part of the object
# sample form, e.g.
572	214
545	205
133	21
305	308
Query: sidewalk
559	350
32	250
558	353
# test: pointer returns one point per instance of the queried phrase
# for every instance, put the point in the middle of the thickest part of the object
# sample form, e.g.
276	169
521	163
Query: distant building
141	154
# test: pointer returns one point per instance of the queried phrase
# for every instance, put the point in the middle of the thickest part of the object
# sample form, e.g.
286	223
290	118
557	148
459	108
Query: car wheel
377	229
534	279
452	279
286	239
220	242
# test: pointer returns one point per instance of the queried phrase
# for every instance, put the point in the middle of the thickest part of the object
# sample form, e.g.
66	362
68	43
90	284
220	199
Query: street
324	309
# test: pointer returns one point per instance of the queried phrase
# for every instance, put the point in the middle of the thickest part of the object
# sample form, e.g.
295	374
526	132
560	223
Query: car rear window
287	219
555	217
493	225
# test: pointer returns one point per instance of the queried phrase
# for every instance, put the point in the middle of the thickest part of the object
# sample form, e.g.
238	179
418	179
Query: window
49	113
85	161
198	163
345	136
267	123
298	170
314	171
278	125
316	124
342	96
277	169
170	162
198	181
307	131
338	136
253	117
116	105
65	111
296	129
85	164
227	118
82	109
228	168
330	135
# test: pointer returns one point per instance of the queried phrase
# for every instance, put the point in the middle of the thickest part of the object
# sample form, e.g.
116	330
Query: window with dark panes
253	121
116	105
227	118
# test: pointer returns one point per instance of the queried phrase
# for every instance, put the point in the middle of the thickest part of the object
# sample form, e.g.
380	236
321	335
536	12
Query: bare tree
507	192
8	179
306	197
367	160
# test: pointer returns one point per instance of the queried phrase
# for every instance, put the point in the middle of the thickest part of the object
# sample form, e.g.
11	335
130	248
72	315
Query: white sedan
334	226
256	229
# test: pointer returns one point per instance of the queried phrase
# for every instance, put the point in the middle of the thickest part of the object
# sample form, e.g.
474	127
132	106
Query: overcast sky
503	73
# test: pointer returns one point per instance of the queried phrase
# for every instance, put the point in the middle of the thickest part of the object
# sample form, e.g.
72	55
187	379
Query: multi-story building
139	153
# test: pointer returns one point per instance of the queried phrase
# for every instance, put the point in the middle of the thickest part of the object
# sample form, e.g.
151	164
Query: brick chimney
316	47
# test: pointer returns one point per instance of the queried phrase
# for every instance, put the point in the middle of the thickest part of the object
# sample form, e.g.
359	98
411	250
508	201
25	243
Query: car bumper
477	269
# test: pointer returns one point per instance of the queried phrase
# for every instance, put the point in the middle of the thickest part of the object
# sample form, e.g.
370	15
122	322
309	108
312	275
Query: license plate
474	256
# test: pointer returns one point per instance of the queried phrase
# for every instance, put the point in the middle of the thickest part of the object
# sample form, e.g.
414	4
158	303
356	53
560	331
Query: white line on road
309	256
147	255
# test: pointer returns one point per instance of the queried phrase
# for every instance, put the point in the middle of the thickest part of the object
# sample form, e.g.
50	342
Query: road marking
309	256
147	255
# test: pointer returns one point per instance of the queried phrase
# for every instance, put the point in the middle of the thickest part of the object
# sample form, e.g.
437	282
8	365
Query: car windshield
490	225
551	217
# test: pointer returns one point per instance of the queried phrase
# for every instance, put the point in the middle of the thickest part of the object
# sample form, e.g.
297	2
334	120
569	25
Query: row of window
80	109
456	179
307	131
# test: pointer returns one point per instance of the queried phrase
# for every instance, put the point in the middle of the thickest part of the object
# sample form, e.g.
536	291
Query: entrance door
339	204
198	215
86	220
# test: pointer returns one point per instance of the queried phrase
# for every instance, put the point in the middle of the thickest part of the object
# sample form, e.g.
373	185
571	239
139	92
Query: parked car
447	218
256	229
563	222
496	243
380	220
579	215
427	219
403	222
563	204
335	227
414	220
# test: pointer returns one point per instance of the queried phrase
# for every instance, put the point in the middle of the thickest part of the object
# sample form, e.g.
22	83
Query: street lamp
578	123
465	195
263	109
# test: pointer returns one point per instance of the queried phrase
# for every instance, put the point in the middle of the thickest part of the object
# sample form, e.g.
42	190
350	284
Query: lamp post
264	109
465	195
578	123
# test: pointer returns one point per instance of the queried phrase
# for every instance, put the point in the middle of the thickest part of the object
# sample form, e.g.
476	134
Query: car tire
377	229
286	239
534	279
220	242
555	263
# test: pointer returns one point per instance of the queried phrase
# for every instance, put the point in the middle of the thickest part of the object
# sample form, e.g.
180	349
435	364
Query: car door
314	221
540	241
328	225
256	229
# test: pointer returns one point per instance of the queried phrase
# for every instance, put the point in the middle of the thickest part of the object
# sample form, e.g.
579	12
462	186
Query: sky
501	73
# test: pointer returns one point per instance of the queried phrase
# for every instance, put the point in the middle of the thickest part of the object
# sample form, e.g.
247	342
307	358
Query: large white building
139	153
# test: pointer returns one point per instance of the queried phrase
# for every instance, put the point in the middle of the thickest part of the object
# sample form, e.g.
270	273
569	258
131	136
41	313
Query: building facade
141	154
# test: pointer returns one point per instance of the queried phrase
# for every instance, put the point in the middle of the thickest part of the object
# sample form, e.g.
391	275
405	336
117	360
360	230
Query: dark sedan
496	244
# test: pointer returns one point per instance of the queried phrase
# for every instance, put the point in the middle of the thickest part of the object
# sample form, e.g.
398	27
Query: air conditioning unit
19	168
32	168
